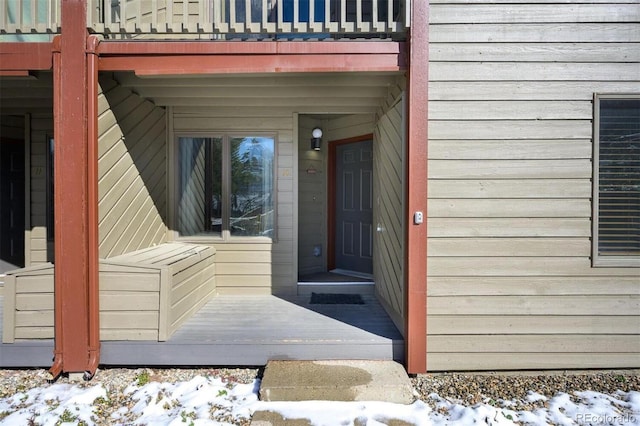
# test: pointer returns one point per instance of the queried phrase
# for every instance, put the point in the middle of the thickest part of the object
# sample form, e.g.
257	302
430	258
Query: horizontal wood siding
40	249
510	279
388	159
132	171
312	199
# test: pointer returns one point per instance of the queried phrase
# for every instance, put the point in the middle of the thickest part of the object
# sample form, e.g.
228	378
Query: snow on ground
211	401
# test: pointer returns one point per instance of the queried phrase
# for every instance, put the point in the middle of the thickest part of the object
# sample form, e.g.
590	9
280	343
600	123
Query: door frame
331	194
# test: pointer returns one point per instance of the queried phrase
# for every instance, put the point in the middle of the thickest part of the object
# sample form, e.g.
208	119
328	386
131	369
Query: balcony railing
215	18
22	19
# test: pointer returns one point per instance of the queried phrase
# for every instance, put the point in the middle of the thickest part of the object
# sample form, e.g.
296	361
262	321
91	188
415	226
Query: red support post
416	237
92	199
56	368
75	266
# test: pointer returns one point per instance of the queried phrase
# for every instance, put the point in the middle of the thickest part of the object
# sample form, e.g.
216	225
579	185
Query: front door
354	207
11	204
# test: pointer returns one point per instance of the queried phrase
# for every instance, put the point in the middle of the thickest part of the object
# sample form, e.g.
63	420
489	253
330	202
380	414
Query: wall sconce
316	139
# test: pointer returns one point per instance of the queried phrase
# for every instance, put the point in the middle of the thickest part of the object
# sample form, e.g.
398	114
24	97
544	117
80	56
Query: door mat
336	299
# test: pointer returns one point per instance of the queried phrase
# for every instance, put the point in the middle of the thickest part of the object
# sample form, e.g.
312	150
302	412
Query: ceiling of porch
322	93
32	94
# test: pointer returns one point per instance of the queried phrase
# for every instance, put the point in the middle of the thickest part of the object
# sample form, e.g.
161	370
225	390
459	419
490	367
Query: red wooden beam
21	56
14	73
73	275
111	48
250	63
416	237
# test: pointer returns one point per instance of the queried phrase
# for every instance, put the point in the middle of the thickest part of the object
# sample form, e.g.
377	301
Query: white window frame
599	260
225	235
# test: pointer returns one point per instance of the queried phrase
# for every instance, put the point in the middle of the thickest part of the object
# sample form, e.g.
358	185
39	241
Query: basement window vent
616	181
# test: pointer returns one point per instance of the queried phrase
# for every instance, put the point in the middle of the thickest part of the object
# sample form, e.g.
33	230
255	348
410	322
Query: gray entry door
354	207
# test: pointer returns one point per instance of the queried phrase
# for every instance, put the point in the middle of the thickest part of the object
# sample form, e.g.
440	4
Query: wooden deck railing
255	18
29	16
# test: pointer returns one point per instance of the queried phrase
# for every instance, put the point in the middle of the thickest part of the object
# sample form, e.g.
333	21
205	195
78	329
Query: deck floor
250	330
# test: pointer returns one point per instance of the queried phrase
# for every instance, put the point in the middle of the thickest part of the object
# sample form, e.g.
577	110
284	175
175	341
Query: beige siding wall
510	280
388	190
38	250
312	199
132	171
349	126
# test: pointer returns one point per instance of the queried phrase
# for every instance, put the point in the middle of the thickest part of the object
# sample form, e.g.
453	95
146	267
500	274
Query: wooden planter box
144	295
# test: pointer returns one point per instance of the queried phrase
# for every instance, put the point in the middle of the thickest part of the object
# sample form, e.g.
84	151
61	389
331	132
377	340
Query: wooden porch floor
249	330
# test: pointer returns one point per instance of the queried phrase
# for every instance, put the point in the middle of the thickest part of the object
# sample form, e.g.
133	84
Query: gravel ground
466	389
496	388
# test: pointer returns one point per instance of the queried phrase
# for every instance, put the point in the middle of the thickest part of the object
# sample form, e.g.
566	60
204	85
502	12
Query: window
616	194
225	186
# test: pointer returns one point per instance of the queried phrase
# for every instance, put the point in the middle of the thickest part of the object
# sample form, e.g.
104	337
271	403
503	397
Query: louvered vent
618	177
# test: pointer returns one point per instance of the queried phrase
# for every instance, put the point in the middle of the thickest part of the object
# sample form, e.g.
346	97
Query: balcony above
37	20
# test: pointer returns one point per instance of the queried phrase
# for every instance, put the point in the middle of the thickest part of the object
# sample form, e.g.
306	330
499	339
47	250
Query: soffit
299	92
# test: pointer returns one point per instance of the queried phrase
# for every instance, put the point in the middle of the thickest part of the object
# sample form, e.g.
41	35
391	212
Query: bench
144	295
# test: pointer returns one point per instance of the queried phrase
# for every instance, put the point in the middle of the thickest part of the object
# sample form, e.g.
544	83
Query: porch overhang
18	59
193	58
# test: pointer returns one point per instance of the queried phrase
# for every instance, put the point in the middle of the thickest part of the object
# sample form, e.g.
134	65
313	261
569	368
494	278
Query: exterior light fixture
316	139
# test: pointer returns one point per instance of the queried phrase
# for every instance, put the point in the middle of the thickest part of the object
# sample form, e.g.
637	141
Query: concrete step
331	381
336	381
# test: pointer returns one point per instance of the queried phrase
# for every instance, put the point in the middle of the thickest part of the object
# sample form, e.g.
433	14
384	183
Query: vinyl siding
510	282
132	170
388	156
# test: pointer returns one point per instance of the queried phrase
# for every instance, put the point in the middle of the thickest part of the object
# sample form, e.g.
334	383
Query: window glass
618	177
200	187
252	186
226	186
